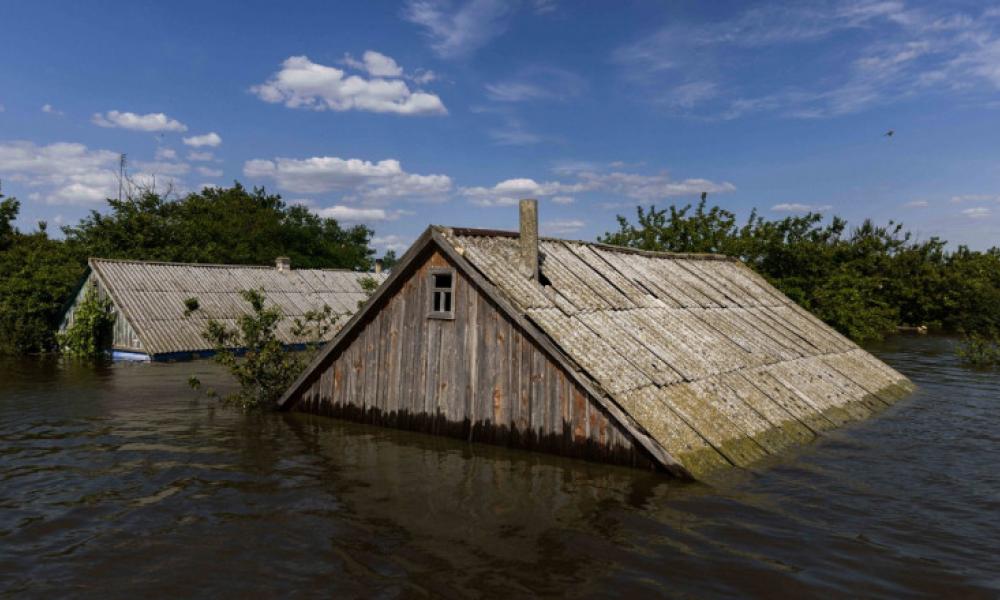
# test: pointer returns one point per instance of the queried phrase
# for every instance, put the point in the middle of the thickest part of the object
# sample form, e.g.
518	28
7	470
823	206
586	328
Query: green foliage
315	326
389	259
92	330
191	305
979	350
37	277
261	364
38	274
863	281
221	225
264	369
368	286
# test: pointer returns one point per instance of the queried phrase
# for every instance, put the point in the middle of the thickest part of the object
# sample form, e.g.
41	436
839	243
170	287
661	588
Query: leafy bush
92	330
979	350
265	368
261	364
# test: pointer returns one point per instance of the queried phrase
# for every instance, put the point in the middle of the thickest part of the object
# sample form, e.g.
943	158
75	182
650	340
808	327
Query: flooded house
148	300
686	363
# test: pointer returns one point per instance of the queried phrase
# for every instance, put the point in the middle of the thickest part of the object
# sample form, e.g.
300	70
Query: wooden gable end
476	375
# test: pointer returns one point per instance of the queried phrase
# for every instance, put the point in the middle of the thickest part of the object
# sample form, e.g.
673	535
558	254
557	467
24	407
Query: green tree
37	276
221	225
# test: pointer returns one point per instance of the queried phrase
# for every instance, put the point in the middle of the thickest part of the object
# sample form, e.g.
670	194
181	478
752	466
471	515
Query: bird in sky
890	133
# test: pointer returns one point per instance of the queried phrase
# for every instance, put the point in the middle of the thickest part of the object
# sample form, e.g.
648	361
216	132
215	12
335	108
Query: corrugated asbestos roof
717	365
151	295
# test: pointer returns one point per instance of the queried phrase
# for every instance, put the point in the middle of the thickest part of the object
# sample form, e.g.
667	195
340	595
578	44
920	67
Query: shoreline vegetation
865	281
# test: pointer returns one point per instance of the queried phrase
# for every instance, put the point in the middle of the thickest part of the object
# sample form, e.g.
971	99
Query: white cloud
878	52
537	83
798	207
644	188
72	174
514	134
201	156
166	154
689	95
562	227
358	214
302	83
376	64
134	122
372	181
564	200
390	242
917	204
978	212
207	172
64	173
974	198
49	109
457	32
210	140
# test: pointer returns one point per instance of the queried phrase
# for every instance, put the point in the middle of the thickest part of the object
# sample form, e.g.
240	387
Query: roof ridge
212	265
478	232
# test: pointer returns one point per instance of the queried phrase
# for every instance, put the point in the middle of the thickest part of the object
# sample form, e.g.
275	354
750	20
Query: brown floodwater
116	482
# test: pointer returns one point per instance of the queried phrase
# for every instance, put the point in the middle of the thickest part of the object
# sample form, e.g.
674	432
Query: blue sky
399	115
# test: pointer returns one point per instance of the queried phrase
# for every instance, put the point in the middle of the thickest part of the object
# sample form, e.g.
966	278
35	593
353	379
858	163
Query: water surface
114	482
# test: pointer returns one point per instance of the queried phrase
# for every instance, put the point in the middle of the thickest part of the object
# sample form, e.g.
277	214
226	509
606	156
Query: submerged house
686	363
148	300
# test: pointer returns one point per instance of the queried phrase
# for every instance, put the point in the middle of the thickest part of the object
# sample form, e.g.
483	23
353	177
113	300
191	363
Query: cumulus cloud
209	140
455	32
376	64
798	207
372	181
357	214
201	156
71	173
51	110
644	188
301	83
135	122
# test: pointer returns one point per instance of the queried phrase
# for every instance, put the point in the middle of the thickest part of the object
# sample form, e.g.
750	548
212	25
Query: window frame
433	289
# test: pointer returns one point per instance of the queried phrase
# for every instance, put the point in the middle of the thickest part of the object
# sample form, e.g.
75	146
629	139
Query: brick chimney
529	239
283	263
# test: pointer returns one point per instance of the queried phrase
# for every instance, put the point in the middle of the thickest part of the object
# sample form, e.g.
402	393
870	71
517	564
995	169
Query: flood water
115	482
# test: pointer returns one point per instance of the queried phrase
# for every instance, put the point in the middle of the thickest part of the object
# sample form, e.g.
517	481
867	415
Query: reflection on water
113	480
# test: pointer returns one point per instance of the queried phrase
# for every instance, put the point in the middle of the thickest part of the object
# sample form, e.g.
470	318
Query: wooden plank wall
476	377
124	336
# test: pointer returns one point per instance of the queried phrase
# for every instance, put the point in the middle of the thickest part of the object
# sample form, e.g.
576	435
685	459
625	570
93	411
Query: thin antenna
121	175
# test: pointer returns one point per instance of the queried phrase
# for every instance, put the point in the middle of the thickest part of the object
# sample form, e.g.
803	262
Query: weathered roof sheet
717	365
151	295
